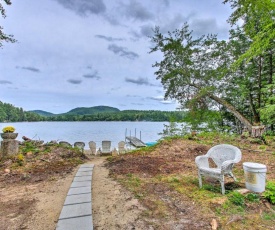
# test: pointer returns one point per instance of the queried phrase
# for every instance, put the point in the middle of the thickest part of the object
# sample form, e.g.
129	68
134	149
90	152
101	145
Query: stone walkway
77	209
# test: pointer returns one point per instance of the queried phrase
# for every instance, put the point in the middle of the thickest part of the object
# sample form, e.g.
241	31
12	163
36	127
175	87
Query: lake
86	131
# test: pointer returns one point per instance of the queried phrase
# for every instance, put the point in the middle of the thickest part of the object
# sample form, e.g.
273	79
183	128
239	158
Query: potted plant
8	133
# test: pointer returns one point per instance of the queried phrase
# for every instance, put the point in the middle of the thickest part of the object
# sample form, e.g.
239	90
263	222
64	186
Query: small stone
214	224
7	170
29	154
243	191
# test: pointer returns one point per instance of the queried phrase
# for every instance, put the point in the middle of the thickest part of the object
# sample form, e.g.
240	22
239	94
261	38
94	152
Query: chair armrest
202	161
227	165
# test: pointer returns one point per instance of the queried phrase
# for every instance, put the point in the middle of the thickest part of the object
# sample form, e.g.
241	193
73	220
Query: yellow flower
8	129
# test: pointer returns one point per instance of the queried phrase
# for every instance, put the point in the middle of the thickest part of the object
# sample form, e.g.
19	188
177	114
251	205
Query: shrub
269	193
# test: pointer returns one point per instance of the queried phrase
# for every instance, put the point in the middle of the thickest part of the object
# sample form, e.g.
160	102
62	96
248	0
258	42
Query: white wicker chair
224	156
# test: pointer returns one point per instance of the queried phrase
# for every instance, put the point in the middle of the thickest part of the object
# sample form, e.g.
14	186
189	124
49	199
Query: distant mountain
91	110
42	113
80	111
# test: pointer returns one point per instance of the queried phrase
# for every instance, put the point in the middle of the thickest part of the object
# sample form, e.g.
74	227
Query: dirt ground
36	205
33	198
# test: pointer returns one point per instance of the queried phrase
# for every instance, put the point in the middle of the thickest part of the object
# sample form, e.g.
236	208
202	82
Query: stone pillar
9	147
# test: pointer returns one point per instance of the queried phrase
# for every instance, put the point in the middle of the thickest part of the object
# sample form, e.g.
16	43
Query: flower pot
9	135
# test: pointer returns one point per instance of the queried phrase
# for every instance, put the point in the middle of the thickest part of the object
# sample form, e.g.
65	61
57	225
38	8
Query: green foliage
92	110
29	146
172	130
252	197
3	36
237	198
258	17
9	113
268	216
269	193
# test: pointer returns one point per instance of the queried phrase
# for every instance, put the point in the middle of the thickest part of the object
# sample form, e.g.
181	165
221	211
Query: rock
7	170
243	191
214	224
29	154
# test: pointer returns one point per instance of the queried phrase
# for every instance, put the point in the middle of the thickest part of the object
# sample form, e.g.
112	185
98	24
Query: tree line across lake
10	113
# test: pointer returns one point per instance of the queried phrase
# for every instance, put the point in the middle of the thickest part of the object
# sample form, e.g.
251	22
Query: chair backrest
224	152
80	145
121	147
106	146
65	143
92	146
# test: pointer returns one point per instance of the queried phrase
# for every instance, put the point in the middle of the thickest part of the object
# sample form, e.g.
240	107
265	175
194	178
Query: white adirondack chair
92	146
121	147
224	156
80	145
106	148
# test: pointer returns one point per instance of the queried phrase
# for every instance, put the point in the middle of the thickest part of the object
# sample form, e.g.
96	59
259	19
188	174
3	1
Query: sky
85	53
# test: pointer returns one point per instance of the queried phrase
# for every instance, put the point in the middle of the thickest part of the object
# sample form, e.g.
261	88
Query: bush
269	193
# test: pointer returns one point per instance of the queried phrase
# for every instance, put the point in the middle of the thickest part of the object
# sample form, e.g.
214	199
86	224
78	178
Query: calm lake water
87	131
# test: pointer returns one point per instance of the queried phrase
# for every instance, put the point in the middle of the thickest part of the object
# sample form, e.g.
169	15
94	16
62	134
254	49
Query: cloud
29	68
3	82
137	104
109	39
84	7
92	75
74	81
161	100
139	81
166	2
136	11
132	95
122	51
207	26
157	98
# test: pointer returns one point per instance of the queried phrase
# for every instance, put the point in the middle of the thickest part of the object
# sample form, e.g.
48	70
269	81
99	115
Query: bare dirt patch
149	189
164	179
34	184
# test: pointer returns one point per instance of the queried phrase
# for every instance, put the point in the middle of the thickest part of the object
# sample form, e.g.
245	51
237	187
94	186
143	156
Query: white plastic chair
224	156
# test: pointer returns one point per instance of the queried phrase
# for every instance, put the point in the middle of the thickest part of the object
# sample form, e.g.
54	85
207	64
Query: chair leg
222	184
232	175
200	180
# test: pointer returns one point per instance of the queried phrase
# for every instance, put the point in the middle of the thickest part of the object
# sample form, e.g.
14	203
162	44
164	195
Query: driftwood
26	138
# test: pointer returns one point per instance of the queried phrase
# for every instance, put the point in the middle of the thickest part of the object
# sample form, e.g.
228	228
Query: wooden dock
135	142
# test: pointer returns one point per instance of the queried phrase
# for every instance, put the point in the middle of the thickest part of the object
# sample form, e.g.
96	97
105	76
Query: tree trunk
232	109
257	131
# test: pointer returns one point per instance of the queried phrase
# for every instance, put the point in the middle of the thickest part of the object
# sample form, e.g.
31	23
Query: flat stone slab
87	166
85	173
85	169
76	210
79	198
86	183
82	178
83	223
80	190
